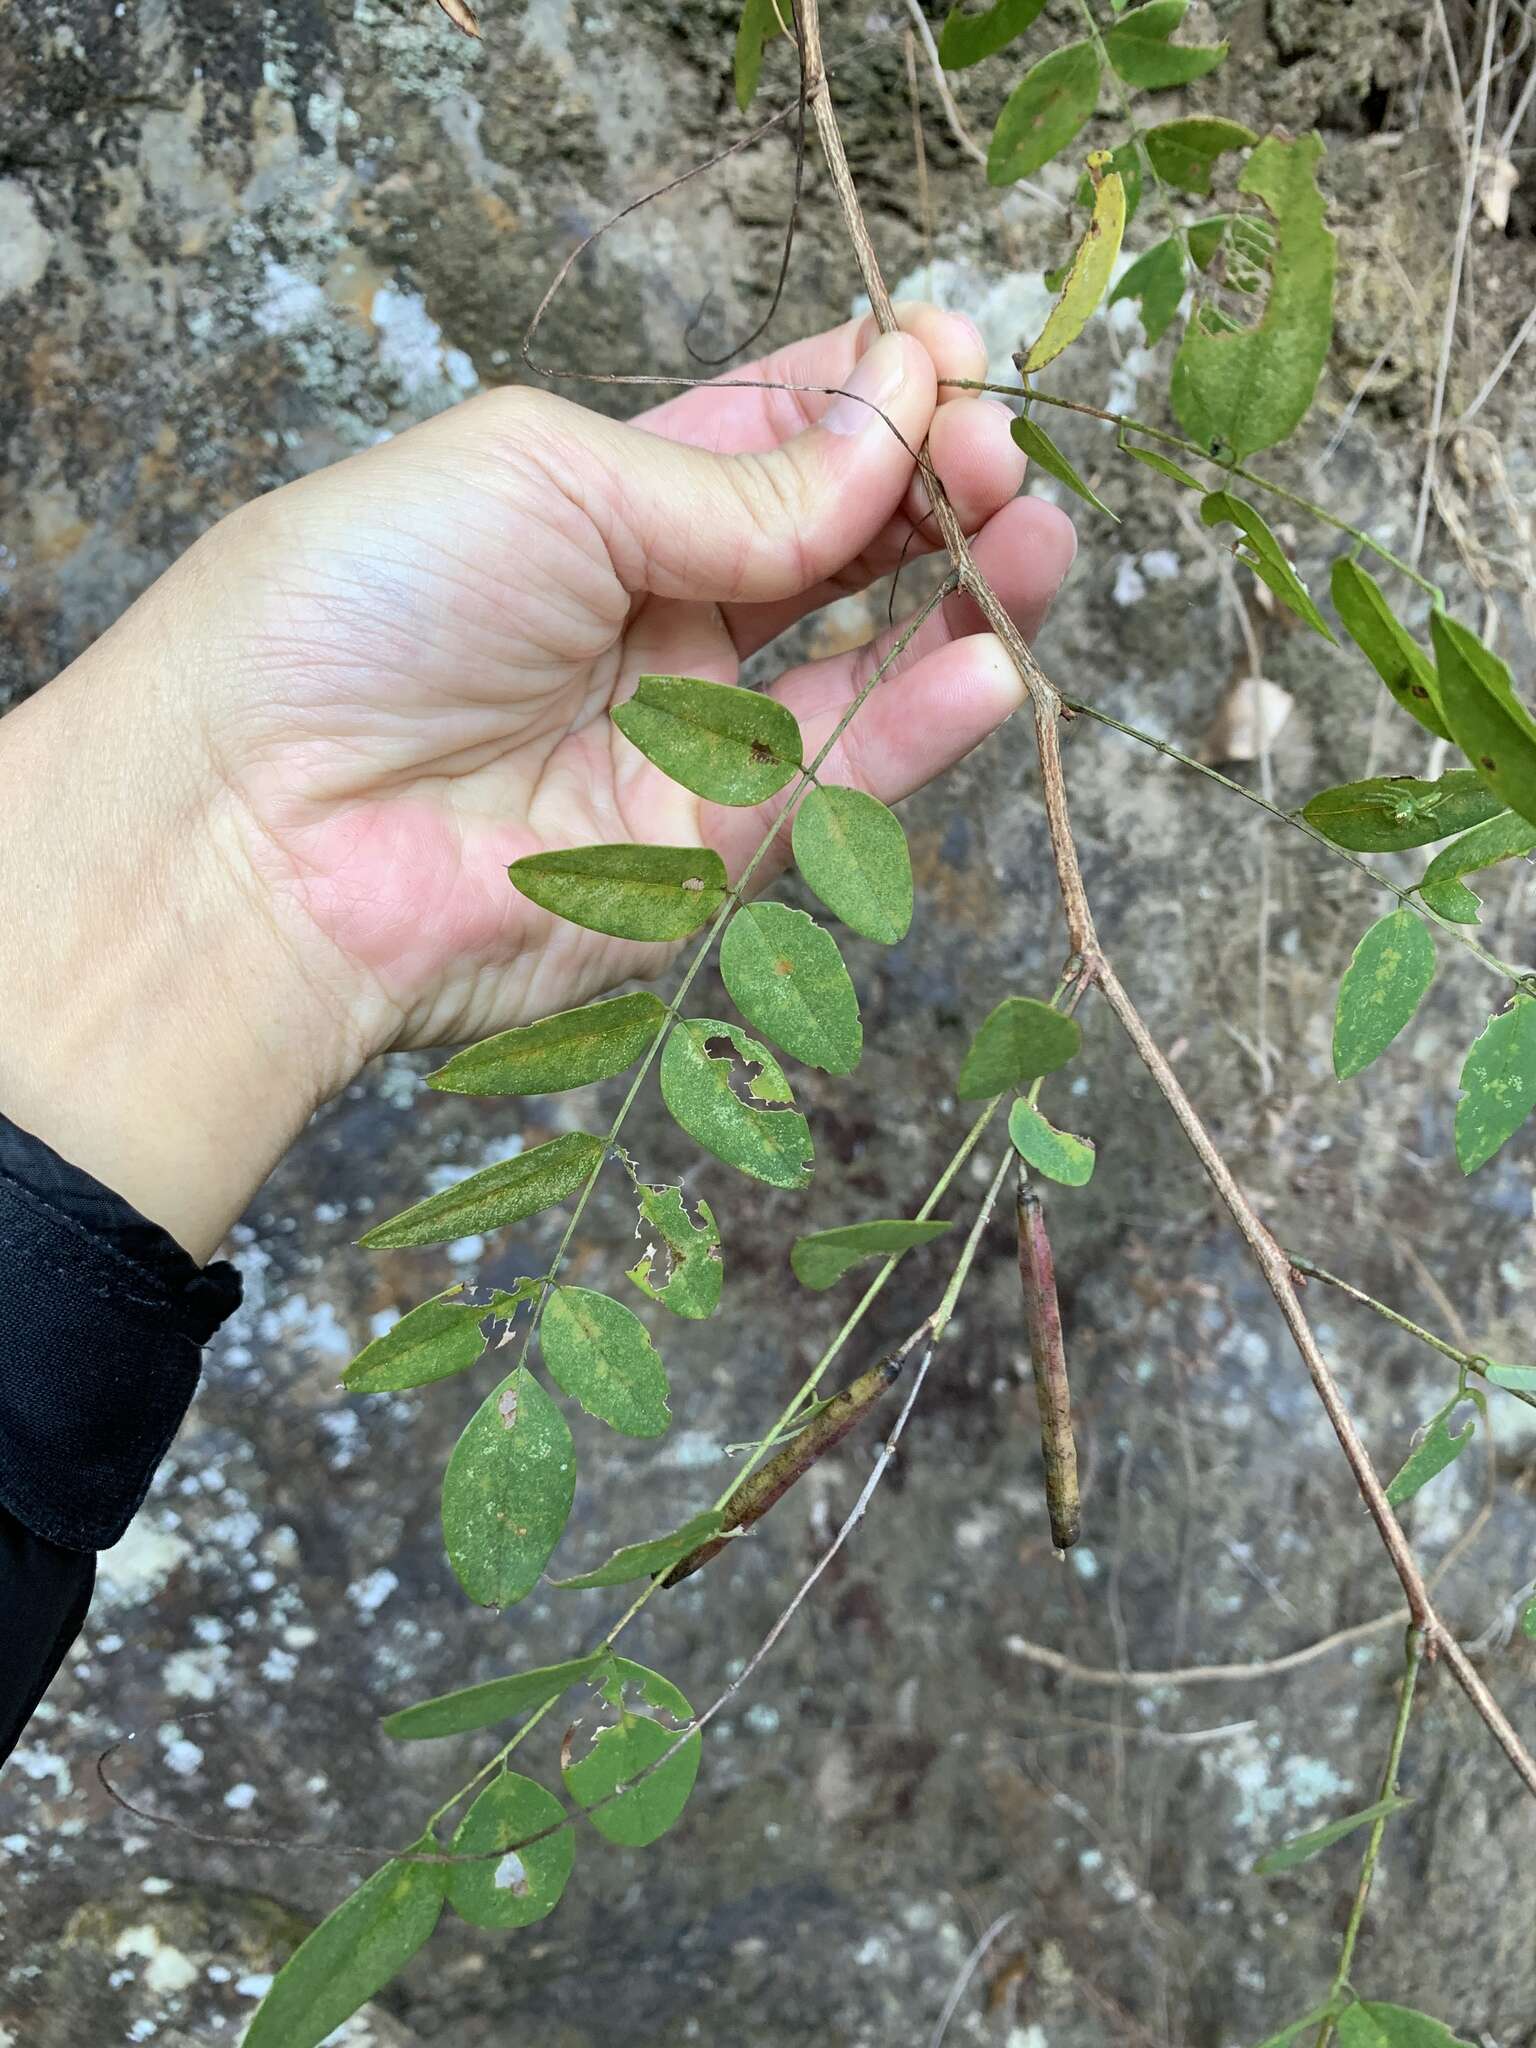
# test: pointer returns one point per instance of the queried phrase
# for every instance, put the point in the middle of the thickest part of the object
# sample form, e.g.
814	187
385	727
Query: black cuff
102	1319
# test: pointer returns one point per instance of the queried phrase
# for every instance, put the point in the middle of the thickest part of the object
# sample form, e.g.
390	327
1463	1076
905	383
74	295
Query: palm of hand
439	658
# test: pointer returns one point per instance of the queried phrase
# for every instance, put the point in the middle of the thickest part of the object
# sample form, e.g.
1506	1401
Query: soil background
239	241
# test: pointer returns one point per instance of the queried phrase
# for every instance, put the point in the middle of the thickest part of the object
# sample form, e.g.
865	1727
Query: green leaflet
1039	447
1243	390
1390	813
852	851
563	1051
367	1940
430	1342
1506	837
625	1748
1437	1448
1301	1848
728	744
645	1560
1089	273
1498	1084
1140	51
1528	1620
1387	644
759	25
1057	1154
1385	983
527	1883
1185	153
1487	720
482	1706
1042	114
967	38
1268	561
1521	1378
770	1144
507	1492
1392	2026
692	1286
658	893
787	978
1162	465
598	1352
1020	1041
1156	279
822	1259
1205	238
500	1194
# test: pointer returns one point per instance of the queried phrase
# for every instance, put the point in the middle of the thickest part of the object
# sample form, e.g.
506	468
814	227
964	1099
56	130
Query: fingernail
877	378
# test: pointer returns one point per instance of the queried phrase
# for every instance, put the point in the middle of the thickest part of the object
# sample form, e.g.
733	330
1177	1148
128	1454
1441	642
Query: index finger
731	420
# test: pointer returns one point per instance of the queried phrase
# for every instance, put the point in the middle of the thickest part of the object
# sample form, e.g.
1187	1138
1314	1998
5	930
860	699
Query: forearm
154	1028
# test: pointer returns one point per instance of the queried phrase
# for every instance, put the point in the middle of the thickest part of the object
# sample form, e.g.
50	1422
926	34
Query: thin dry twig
967	1971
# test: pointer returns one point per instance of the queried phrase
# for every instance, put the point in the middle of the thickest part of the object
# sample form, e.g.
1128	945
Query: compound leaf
1301	1848
1245	388
966	38
564	1051
1040	448
1057	1154
1387	644
355	1952
1385	983
645	1560
1268	560
821	1260
482	1706
507	1491
1044	111
599	1353
1498	1084
1185	153
852	851
1140	51
1438	1448
787	978
1390	813
527	1883
728	744
498	1195
623	1749
1506	837
1156	280
657	893
1487	720
698	1068
1020	1041
1089	273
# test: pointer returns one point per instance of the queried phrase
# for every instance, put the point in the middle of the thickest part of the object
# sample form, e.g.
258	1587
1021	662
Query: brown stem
1271	1259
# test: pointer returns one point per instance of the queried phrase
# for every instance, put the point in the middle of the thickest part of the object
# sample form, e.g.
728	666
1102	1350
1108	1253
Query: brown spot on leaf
506	1407
761	753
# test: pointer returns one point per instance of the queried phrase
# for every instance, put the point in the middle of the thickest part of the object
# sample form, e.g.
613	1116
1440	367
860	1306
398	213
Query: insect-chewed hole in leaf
761	752
512	1875
506	1407
744	1073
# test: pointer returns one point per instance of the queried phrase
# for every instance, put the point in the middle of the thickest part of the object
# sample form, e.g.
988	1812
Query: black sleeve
102	1320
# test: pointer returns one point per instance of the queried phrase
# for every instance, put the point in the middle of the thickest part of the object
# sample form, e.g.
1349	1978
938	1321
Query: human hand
322	737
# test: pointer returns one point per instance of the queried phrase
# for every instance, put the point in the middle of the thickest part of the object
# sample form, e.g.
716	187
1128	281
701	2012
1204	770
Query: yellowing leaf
1387	979
1245	389
1044	111
1498	1083
1088	277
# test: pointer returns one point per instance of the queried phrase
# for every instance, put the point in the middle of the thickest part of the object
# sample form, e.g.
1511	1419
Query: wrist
155	1026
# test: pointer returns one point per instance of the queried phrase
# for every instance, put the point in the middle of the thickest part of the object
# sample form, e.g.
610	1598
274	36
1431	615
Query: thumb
680	522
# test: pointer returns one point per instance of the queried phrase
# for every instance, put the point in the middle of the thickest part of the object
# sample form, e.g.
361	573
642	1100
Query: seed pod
1042	1319
823	1433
